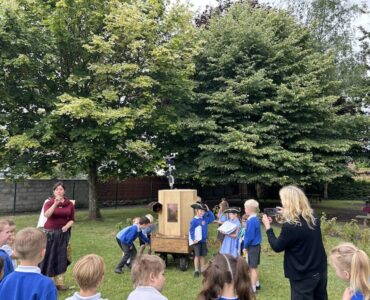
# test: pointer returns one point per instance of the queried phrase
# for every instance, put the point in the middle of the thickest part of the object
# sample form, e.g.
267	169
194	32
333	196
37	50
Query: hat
155	206
233	210
150	217
199	206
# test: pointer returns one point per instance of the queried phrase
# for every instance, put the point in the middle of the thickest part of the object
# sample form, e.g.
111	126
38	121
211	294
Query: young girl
222	217
230	242
226	277
352	264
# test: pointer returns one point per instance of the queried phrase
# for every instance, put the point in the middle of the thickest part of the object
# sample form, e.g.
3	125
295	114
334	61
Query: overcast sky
364	20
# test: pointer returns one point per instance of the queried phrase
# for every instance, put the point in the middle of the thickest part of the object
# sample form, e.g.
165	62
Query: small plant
351	231
328	227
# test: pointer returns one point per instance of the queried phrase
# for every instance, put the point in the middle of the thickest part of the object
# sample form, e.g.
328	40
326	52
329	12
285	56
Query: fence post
15	197
115	202
73	190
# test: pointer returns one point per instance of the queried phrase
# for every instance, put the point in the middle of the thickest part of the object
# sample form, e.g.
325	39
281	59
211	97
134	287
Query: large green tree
118	68
265	108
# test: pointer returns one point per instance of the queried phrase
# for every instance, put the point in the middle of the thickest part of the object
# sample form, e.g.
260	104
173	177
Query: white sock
254	288
258	283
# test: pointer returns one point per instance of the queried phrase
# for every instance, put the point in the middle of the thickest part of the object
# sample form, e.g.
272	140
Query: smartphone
271	211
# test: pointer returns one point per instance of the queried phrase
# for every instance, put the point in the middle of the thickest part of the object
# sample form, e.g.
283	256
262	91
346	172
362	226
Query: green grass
99	237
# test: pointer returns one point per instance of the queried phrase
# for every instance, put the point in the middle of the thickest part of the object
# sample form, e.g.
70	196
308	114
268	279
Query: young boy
127	239
88	273
147	232
4	236
8	247
147	276
203	217
27	282
252	240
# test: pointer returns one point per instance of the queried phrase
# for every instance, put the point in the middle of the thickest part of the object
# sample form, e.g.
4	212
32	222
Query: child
4	236
241	234
222	217
230	243
352	264
203	217
27	282
226	277
88	273
127	242
147	275
8	247
147	232
252	240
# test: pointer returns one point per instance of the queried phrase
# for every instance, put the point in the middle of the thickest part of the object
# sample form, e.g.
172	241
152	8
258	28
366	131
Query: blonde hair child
9	246
27	281
4	236
147	275
352	264
88	273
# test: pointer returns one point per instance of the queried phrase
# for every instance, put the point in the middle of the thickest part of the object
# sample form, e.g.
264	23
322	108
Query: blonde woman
305	262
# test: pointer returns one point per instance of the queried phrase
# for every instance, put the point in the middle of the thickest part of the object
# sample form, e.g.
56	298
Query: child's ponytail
360	273
242	281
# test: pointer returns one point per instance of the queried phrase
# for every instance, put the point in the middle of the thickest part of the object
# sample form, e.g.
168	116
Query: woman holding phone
305	262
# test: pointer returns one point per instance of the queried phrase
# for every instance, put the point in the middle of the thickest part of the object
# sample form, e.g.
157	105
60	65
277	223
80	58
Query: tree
265	103
116	70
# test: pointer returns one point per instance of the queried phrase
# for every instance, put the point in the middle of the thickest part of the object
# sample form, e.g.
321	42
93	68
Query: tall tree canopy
265	104
103	73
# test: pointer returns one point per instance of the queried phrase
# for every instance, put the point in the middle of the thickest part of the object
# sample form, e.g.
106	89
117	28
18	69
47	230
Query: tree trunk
259	191
94	211
326	190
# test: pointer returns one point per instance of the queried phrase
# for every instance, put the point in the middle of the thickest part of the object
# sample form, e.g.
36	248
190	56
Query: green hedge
348	188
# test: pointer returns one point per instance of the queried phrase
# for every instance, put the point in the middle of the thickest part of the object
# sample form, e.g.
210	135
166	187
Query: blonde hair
295	204
223	204
89	271
29	242
252	203
3	224
347	257
143	266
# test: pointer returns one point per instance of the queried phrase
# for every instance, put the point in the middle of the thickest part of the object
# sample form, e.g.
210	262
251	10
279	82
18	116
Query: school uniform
27	282
200	248
127	245
230	244
10	252
252	240
8	265
358	296
305	261
77	296
146	293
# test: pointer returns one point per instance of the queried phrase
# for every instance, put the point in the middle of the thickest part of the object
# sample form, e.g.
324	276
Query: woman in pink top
60	213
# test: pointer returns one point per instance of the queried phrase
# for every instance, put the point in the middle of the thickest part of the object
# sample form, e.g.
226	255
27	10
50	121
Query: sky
363	21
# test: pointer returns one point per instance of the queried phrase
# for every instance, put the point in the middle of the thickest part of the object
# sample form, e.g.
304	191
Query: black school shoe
196	274
258	287
117	271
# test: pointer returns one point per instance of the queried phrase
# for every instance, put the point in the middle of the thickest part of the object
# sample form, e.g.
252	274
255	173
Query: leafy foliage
265	104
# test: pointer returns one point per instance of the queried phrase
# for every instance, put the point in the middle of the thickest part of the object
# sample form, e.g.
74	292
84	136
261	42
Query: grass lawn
99	237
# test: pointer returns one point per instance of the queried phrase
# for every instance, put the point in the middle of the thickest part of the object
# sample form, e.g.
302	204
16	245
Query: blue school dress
230	244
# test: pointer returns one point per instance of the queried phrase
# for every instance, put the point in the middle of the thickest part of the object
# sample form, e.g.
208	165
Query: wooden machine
172	236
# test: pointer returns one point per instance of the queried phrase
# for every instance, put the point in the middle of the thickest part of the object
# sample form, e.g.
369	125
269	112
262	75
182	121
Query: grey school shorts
254	253
200	249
